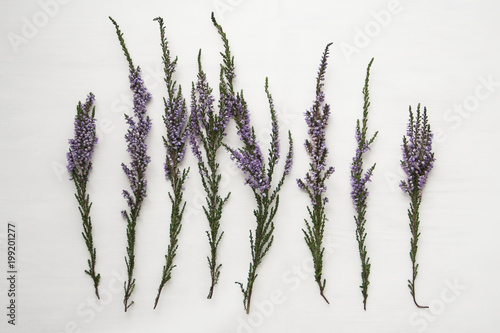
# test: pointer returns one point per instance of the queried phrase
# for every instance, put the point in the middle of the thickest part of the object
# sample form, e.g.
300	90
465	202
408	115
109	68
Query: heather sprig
418	160
207	129
176	121
79	157
139	127
359	192
250	159
314	181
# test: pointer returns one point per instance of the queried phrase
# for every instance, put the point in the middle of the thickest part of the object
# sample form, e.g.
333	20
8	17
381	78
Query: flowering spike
79	166
418	160
359	192
314	181
139	127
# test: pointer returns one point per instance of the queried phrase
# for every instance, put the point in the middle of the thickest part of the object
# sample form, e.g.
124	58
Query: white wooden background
442	54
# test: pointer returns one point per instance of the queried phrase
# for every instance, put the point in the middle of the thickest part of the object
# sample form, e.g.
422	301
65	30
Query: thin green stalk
359	193
84	207
413	215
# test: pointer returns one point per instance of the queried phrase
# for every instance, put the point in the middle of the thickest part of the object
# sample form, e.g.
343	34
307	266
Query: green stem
175	227
84	208
414	226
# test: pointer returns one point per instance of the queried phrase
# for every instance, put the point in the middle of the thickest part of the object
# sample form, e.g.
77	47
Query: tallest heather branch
139	126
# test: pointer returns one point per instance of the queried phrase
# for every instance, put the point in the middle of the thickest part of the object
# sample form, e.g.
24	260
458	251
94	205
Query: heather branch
359	193
250	160
79	166
418	160
314	180
175	120
207	129
139	127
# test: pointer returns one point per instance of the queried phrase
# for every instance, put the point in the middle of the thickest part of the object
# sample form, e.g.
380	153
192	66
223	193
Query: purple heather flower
226	101
250	158
275	143
139	127
82	145
194	131
359	193
418	158
175	118
288	162
207	128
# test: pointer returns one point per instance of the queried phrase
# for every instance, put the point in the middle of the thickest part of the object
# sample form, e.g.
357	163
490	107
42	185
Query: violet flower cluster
139	127
176	121
207	129
250	160
418	160
359	193
137	133
259	174
314	182
81	149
